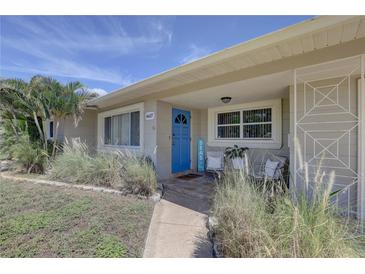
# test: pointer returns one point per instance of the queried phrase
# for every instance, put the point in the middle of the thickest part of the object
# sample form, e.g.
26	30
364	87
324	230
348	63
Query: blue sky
109	52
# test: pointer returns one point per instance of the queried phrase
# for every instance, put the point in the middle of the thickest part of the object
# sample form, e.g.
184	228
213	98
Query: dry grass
122	171
252	225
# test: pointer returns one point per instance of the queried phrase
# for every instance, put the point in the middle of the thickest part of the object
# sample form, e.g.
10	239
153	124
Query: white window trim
127	109
274	143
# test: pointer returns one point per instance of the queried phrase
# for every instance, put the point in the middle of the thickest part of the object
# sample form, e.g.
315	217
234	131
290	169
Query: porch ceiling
261	88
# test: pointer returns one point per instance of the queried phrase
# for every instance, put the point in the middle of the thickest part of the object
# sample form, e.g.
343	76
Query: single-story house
304	82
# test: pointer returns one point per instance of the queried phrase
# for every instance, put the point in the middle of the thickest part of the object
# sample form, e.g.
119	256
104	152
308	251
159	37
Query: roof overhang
305	37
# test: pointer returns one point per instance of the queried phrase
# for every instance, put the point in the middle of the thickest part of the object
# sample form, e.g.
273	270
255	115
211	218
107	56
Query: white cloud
99	91
194	52
81	35
68	47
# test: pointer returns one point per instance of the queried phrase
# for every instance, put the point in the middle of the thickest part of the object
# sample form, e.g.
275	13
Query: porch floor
195	194
178	225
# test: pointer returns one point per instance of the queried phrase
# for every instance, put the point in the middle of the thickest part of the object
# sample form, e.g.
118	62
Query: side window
50	129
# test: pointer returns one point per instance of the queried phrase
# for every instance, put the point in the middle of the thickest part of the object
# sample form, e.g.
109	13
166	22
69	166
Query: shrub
252	225
77	165
310	226
30	156
242	219
123	171
140	175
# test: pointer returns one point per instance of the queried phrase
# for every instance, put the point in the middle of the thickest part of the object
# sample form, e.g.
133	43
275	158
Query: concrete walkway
178	225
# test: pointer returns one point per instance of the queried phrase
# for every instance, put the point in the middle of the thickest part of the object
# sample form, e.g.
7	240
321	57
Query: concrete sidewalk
177	232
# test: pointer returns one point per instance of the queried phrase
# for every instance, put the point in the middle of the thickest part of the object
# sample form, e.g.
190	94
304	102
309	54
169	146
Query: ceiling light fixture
226	100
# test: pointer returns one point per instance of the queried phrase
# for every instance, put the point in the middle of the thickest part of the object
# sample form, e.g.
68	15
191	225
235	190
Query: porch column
294	138
361	152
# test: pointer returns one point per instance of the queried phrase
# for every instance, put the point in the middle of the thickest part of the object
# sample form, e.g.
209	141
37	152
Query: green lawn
47	221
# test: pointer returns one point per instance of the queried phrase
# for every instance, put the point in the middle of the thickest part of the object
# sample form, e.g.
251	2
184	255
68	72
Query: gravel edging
212	221
155	197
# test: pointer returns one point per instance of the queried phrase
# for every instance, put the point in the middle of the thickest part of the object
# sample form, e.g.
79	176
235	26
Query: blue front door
180	140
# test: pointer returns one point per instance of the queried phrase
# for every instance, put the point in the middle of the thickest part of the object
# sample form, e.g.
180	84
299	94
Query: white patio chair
215	162
273	170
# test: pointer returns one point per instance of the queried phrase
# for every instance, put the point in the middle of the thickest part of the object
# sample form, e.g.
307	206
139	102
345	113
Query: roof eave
299	29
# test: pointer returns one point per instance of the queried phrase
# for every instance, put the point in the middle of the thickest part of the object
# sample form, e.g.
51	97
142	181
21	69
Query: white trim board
361	143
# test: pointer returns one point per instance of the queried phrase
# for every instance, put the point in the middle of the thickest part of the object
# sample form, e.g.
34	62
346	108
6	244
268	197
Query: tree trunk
41	133
14	127
55	138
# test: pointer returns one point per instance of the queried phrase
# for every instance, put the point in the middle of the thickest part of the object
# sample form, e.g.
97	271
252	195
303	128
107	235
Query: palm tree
8	110
65	101
41	99
20	98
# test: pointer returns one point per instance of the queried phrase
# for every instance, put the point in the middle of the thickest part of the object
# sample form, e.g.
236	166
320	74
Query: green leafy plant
110	247
235	152
31	157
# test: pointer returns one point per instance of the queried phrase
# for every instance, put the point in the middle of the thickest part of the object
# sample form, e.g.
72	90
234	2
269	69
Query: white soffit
266	87
310	35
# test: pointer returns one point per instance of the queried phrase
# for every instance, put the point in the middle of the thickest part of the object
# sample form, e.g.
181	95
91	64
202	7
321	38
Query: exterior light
226	100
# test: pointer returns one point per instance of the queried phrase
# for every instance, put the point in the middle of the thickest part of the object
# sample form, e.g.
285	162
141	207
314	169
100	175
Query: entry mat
189	176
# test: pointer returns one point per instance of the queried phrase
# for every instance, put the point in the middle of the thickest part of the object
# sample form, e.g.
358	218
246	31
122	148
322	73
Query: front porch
265	99
308	115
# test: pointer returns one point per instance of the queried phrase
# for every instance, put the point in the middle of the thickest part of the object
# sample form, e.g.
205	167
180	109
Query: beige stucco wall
149	131
85	130
157	134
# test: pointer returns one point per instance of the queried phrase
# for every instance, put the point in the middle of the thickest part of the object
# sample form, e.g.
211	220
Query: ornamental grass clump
252	224
119	170
77	165
139	174
243	227
309	226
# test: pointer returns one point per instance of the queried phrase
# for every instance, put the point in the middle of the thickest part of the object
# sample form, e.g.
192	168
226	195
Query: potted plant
236	154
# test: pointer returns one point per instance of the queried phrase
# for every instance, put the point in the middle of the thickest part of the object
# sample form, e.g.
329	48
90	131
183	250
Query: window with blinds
122	129
245	124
